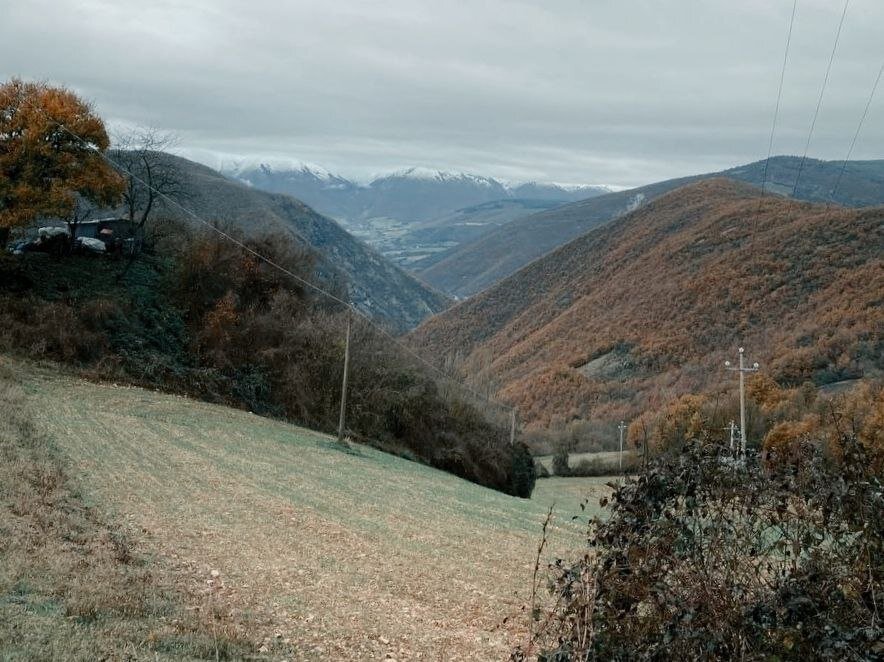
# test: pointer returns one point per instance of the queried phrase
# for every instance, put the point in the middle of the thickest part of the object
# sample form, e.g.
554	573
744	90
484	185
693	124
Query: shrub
523	473
560	462
705	559
593	467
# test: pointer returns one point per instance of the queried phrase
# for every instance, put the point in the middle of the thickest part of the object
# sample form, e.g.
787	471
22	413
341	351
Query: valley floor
319	552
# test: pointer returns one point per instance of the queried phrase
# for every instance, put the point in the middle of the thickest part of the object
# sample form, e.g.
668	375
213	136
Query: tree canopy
51	145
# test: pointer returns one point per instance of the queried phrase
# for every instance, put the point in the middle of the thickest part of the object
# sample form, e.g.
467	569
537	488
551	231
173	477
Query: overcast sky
596	91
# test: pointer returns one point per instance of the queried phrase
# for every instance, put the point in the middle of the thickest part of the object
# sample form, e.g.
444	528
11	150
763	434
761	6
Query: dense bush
594	467
561	465
524	471
703	558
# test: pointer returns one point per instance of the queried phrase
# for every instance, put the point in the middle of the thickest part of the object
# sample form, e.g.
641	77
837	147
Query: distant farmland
323	552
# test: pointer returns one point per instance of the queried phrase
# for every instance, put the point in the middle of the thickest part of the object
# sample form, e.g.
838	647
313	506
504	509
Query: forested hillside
370	281
475	265
649	306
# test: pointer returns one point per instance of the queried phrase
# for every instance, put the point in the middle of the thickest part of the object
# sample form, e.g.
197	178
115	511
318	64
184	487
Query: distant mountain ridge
414	194
372	283
474	265
648	307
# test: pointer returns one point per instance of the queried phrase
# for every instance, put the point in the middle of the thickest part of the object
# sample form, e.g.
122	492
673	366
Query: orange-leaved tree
51	145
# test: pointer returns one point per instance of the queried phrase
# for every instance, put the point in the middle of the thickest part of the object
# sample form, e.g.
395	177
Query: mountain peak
239	166
432	174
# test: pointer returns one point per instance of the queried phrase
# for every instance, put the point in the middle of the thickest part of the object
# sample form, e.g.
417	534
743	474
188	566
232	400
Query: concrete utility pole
512	426
342	418
742	369
732	428
621	427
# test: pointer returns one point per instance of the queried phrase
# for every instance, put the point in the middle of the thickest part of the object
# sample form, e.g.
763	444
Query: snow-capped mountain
558	192
419	195
411	195
327	193
429	174
410	215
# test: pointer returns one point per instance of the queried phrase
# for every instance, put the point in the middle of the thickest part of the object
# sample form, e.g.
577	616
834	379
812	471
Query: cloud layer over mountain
598	92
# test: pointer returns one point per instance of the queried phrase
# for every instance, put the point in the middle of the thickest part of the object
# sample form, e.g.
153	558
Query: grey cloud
620	92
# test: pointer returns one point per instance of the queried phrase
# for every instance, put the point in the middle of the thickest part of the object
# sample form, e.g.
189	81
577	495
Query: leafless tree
152	175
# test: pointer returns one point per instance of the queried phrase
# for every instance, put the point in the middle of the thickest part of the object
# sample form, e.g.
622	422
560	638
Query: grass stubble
253	537
75	585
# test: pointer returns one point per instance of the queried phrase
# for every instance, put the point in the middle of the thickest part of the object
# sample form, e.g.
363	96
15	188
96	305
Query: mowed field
324	553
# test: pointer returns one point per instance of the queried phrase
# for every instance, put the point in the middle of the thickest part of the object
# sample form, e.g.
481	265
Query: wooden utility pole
343	416
621	427
512	426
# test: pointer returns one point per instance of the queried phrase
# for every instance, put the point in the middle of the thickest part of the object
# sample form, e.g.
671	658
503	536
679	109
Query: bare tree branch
152	175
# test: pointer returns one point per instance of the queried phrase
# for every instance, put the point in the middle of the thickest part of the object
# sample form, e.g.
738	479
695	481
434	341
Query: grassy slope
349	554
77	585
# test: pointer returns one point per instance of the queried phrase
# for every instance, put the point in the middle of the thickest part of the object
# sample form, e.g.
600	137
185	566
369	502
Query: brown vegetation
52	145
781	422
664	295
207	318
704	558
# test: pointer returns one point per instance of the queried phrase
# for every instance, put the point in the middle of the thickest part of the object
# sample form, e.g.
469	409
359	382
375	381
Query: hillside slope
475	265
651	304
324	553
375	285
467	224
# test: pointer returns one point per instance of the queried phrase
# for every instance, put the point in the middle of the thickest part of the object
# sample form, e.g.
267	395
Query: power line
859	127
819	102
773	127
282	269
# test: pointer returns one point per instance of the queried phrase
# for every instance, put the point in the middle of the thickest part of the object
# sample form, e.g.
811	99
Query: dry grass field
317	552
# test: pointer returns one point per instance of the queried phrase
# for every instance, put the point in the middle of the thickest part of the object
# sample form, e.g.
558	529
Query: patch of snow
573	188
238	165
235	165
564	186
280	165
430	174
